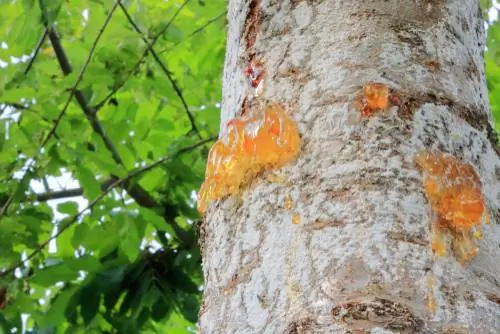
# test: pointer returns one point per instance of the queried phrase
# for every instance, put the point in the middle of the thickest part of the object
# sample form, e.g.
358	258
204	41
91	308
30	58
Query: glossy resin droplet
375	96
453	189
252	144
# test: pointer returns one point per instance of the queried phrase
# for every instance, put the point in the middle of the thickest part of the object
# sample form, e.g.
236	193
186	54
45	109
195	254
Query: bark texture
359	259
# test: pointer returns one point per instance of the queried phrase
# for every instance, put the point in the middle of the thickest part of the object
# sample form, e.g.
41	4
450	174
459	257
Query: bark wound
493	298
368	314
300	326
252	23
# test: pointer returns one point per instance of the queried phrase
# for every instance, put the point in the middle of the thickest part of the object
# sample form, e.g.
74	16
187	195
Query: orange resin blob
375	97
251	144
454	192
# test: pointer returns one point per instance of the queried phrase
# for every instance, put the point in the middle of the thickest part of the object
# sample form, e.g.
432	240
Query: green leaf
160	309
55	315
130	238
82	232
90	302
190	308
70	208
156	220
91	187
50	275
16	94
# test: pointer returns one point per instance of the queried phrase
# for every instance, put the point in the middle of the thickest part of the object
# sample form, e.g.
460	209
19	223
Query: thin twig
176	88
66	105
122	83
37	50
164	30
82	72
195	32
141	59
91	205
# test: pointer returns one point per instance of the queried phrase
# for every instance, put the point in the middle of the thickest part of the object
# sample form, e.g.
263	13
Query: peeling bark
339	240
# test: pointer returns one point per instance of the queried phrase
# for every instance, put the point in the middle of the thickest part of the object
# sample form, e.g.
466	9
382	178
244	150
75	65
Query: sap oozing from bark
250	146
454	192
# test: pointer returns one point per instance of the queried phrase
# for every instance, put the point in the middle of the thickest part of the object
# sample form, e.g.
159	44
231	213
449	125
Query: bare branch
66	105
116	183
176	88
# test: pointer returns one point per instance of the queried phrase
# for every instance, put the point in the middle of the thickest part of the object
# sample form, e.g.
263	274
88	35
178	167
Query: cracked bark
360	260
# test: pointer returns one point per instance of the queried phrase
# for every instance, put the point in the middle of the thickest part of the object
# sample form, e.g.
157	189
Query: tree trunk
340	240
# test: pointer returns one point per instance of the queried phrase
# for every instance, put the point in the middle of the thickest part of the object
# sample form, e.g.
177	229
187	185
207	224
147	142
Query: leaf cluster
107	109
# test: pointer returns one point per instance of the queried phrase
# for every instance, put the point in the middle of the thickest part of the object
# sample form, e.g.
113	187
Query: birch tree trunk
352	254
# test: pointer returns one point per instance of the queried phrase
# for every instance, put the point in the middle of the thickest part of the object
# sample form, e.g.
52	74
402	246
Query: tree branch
116	183
135	191
141	59
35	53
165	70
80	98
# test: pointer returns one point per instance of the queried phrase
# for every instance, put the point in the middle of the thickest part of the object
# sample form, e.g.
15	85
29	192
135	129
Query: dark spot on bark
459	148
472	69
453	33
300	326
465	25
321	224
244	107
202	234
364	13
406	35
450	293
469	297
454	329
493	298
402	236
431	10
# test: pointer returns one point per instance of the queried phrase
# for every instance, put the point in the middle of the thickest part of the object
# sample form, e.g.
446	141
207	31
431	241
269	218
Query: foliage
492	61
116	251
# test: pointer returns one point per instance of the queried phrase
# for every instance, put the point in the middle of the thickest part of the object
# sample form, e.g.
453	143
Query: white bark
364	219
